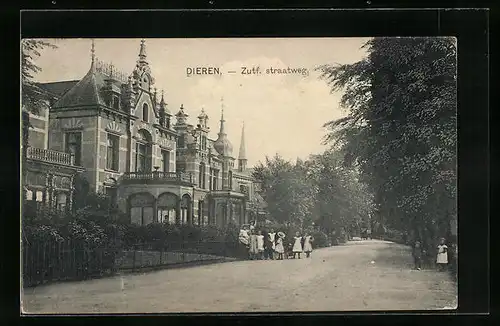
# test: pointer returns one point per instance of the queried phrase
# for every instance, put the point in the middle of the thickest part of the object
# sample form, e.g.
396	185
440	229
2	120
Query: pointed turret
86	91
222	144
242	156
181	116
142	52
92	54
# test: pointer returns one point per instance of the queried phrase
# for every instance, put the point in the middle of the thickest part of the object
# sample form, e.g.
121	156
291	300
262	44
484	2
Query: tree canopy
32	98
400	129
317	190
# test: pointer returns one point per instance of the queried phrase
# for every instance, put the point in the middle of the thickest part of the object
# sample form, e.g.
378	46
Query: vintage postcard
238	175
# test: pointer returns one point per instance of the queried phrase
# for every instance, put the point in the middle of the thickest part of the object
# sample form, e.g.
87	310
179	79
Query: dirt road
364	275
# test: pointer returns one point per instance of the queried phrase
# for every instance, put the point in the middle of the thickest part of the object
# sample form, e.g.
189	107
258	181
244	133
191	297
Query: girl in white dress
260	244
308	239
442	255
297	245
279	245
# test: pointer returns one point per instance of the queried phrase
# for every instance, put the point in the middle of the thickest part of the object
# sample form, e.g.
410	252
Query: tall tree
286	190
32	98
400	129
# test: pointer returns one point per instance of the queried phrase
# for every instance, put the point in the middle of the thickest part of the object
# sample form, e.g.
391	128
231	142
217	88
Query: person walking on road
308	240
297	245
279	245
417	255
260	244
442	255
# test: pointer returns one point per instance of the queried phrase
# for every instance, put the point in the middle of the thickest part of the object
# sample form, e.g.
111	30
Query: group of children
271	245
441	259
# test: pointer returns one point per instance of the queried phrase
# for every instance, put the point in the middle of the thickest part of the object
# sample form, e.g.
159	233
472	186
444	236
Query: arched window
61	202
141	208
167	205
230	179
143	152
145	112
185	209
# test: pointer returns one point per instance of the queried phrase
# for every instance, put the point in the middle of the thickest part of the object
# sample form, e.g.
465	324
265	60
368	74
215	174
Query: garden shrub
320	239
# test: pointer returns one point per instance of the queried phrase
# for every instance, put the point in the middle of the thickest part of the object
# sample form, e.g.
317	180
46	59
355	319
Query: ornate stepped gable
102	80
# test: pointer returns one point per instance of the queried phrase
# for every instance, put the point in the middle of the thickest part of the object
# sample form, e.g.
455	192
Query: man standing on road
268	245
417	255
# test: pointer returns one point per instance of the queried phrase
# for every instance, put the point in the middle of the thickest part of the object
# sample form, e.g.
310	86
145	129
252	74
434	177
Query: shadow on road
394	255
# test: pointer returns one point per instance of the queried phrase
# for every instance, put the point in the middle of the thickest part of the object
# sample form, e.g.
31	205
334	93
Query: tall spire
221	132
92	54
162	101
142	52
222	144
242	156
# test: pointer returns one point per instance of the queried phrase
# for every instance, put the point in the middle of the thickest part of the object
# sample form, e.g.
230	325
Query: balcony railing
157	176
50	156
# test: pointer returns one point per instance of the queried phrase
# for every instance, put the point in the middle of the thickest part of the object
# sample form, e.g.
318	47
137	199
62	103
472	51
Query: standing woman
260	244
279	245
442	256
297	245
244	239
253	250
308	240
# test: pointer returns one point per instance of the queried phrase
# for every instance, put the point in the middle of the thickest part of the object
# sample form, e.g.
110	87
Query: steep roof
85	92
58	89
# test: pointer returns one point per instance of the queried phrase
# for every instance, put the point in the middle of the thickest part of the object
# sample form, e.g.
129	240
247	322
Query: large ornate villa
117	132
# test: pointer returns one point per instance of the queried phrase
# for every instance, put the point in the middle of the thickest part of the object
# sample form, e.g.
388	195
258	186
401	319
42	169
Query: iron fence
47	261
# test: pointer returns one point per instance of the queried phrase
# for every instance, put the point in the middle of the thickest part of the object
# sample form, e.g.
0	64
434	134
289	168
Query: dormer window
145	112
116	102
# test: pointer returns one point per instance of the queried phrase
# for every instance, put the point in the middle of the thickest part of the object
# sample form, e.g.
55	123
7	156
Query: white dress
244	237
297	245
260	243
308	244
279	246
272	236
442	256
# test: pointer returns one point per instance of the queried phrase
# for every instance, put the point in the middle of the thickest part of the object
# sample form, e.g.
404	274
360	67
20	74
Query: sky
282	114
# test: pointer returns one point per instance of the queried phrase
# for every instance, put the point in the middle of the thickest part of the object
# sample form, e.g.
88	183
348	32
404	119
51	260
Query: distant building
119	134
